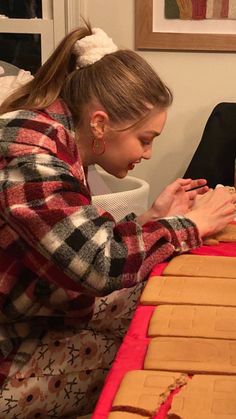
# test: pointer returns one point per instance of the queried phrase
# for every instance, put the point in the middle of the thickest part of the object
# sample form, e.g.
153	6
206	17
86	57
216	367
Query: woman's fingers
197	183
213	211
226	194
191	195
177	185
202	190
189	184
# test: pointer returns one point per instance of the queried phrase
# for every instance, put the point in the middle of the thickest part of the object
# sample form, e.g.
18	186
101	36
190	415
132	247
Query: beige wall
198	81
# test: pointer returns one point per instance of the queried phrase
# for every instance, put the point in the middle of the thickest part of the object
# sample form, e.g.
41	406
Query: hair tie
92	48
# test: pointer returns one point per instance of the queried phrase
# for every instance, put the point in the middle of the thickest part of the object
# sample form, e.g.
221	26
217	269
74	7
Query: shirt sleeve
51	211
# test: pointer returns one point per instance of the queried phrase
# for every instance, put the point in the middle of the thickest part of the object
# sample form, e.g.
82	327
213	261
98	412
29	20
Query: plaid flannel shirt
58	251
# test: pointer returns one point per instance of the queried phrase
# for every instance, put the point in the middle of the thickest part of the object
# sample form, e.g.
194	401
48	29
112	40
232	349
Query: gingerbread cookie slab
206	397
193	321
189	290
195	265
142	392
125	415
191	355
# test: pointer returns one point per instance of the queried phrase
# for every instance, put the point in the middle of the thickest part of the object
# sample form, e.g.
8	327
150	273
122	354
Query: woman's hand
213	211
176	199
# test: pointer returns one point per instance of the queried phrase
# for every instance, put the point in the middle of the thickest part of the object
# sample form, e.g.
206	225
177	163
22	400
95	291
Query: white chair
120	196
9	69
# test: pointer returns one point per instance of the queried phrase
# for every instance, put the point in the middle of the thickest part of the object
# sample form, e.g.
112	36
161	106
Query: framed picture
153	31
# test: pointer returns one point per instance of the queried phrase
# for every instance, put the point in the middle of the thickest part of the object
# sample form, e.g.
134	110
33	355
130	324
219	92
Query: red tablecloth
132	351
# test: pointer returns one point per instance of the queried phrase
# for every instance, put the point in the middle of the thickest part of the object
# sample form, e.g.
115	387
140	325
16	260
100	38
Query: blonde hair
122	81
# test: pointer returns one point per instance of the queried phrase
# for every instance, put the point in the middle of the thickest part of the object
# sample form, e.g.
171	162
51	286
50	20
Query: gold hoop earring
98	146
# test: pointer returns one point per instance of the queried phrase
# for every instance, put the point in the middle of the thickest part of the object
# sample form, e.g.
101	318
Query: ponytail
120	80
49	80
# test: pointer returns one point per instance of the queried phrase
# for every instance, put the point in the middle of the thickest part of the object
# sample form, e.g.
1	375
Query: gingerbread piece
193	321
206	397
142	392
191	355
189	290
195	265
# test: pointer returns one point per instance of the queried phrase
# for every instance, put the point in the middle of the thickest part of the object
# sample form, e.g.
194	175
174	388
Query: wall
198	81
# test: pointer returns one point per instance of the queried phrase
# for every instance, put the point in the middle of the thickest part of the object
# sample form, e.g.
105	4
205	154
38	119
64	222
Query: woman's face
125	149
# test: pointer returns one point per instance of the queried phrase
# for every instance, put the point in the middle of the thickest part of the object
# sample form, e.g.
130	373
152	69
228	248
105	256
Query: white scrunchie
93	47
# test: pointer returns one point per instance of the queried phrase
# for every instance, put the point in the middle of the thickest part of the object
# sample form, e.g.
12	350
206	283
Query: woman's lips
131	166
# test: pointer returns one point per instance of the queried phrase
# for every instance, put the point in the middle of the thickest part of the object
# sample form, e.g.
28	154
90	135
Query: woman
70	275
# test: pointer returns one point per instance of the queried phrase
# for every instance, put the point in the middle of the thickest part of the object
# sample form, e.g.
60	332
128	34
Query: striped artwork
200	9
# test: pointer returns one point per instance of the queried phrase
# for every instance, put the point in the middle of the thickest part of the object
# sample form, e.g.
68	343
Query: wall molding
75	11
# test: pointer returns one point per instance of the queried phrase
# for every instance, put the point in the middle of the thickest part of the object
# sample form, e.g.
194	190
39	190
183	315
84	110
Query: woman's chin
119	174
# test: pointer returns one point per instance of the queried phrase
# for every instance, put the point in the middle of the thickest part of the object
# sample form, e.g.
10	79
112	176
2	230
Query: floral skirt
66	371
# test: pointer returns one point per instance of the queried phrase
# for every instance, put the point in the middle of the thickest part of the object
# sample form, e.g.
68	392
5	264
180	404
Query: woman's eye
145	142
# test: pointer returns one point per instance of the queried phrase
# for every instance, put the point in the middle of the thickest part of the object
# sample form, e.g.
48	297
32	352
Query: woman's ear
98	123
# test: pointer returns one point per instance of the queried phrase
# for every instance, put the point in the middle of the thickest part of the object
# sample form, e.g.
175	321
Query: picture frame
147	38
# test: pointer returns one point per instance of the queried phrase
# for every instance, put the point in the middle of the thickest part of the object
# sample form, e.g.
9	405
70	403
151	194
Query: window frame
59	17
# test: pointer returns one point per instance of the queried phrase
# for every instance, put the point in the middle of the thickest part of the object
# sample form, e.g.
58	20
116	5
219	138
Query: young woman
70	276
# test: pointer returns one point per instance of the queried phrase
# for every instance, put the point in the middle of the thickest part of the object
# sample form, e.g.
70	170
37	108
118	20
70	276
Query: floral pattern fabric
67	370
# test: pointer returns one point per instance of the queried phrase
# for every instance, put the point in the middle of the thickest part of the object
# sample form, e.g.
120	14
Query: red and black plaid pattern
57	251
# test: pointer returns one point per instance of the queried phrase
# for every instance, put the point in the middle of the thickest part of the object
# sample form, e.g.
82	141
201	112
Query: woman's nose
147	154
